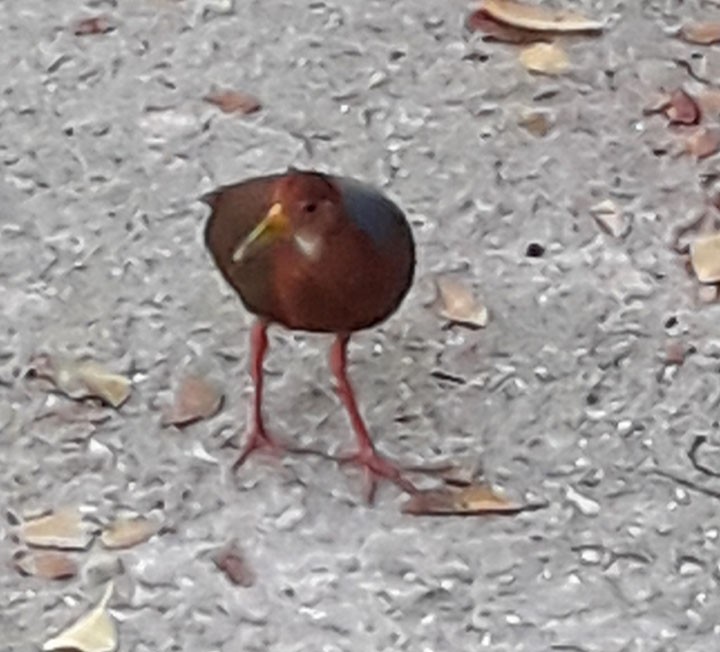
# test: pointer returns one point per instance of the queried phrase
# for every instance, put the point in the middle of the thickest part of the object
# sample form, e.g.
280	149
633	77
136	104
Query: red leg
374	465
258	437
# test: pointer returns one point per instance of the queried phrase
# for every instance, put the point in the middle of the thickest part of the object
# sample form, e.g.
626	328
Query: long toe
376	468
258	441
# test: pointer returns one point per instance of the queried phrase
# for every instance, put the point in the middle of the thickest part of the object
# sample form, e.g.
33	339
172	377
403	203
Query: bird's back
373	212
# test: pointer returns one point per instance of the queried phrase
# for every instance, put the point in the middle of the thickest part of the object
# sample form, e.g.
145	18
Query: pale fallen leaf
493	30
196	398
93	632
538	123
64	529
541	18
705	258
545	58
127	532
231	561
234	101
704	142
701	33
468	500
82	379
610	218
456	303
47	564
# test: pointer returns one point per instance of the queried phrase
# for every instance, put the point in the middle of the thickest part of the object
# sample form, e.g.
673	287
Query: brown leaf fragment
82	379
195	399
231	561
681	108
709	101
493	30
93	632
229	101
537	17
545	59
456	303
469	500
538	123
675	352
704	142
708	293
47	564
705	258
62	529
93	25
701	33
127	532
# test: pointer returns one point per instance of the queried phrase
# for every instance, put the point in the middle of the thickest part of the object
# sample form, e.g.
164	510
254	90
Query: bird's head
304	208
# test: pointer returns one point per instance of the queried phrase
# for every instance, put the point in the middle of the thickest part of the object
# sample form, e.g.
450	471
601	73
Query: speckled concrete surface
105	145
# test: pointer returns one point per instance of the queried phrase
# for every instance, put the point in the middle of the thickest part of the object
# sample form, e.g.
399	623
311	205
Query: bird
315	252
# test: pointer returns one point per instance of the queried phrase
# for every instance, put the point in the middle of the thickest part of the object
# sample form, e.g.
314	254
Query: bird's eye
310	208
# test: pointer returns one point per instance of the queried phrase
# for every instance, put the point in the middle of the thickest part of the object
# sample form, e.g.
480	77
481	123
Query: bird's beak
274	225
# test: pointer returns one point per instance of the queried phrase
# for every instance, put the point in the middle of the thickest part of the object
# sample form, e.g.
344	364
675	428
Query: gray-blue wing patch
380	218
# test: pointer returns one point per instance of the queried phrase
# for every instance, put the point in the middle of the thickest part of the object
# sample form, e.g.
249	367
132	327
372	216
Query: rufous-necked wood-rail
313	252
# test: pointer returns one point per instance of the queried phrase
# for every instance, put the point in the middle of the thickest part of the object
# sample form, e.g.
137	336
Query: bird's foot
376	468
258	440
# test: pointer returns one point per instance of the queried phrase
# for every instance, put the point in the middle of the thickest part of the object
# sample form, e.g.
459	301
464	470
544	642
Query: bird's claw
375	468
258	440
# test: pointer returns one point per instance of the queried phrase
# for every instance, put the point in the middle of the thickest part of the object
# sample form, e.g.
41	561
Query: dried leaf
468	500
703	142
708	293
195	399
541	18
62	529
481	21
709	101
94	632
94	25
682	109
456	303
47	564
675	351
701	33
538	123
82	379
705	258
234	101
231	561
545	58
610	218
127	532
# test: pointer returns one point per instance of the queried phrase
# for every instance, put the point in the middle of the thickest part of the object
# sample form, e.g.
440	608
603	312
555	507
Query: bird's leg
375	466
257	436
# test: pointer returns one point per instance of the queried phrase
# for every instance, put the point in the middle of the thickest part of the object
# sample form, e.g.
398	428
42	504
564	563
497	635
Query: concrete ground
564	397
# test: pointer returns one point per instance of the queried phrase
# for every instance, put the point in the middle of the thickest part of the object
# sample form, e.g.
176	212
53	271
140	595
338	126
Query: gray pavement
105	144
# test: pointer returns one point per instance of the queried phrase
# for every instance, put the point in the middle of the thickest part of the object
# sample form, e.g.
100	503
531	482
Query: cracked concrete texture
106	143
